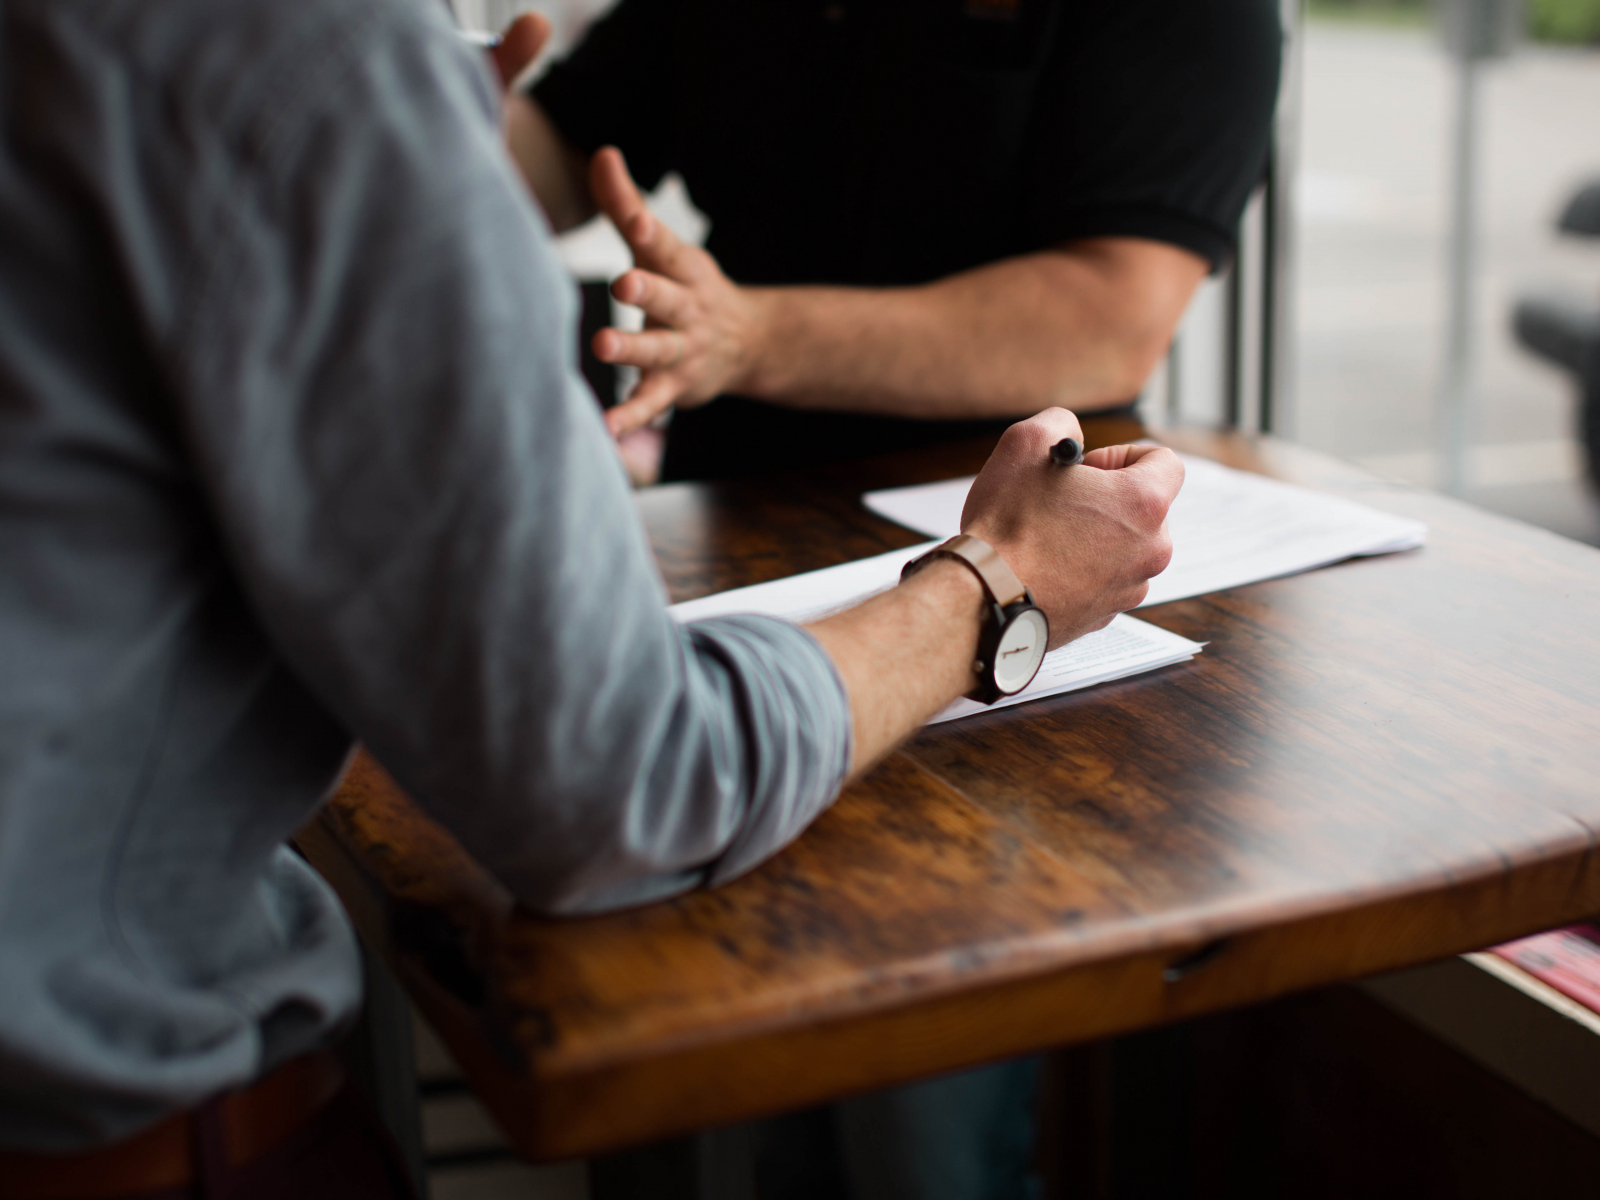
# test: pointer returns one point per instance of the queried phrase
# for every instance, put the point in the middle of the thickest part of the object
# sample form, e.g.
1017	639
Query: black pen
1068	452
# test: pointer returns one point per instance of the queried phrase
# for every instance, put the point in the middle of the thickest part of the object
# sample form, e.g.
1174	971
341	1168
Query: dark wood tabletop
1372	765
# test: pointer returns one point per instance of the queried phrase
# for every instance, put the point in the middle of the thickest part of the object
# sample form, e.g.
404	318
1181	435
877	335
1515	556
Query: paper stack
1229	528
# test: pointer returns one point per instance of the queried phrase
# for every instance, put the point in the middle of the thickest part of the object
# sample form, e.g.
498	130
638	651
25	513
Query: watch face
1021	650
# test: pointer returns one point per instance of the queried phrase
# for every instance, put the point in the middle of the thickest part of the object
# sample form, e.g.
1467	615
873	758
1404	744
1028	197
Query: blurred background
1371	239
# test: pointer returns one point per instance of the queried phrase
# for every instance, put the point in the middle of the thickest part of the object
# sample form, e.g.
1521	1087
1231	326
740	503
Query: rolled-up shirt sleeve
372	362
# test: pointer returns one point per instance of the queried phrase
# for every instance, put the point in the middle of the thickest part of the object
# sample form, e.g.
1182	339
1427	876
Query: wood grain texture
1371	765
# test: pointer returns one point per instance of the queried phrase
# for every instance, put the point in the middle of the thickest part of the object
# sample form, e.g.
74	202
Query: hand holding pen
1085	540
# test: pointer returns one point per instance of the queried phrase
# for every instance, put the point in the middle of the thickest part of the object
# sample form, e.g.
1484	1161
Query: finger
1032	438
1152	479
1113	458
652	348
520	43
1108	458
620	199
1156	466
654	246
1160	554
649	400
661	298
614	190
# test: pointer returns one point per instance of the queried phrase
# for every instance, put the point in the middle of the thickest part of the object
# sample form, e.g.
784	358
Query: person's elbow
1129	295
620	833
689	768
1128	357
1110	371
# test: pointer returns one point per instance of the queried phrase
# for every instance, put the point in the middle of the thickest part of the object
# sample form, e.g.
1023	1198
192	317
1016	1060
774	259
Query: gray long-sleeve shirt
293	451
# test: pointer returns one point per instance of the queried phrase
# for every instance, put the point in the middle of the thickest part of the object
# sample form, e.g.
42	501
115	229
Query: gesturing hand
1085	540
699	326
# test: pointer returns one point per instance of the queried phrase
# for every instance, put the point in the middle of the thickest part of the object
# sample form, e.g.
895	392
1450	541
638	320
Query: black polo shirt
891	142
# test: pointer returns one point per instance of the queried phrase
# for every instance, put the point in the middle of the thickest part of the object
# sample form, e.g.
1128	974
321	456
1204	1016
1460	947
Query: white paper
1126	647
1229	528
810	596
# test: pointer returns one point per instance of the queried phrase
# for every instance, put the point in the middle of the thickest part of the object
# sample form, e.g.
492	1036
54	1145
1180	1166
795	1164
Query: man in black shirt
927	216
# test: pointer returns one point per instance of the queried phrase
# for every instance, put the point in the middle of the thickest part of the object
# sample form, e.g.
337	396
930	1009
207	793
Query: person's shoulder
1242	25
232	61
1163	24
1174	43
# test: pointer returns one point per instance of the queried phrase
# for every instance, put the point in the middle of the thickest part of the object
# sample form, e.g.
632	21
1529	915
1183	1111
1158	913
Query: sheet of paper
1126	647
1229	528
811	595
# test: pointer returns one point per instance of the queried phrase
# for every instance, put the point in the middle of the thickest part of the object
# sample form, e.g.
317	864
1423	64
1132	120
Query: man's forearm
1080	327
904	655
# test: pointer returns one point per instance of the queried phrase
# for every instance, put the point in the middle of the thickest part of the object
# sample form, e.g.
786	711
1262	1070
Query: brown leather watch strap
1004	586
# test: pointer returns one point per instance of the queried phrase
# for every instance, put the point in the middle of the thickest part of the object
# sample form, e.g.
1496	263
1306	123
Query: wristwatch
1015	631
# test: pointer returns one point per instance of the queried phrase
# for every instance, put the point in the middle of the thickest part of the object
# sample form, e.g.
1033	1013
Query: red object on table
1568	959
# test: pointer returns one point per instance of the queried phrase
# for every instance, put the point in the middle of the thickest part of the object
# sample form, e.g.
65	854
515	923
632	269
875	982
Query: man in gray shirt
293	452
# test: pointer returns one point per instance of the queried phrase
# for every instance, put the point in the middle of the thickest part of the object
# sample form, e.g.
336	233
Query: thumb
1156	467
1114	458
520	43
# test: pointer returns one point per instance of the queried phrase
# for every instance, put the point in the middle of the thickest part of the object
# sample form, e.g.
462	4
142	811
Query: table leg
380	1055
715	1164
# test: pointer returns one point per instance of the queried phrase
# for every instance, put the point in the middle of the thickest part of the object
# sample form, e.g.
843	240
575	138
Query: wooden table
1372	765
